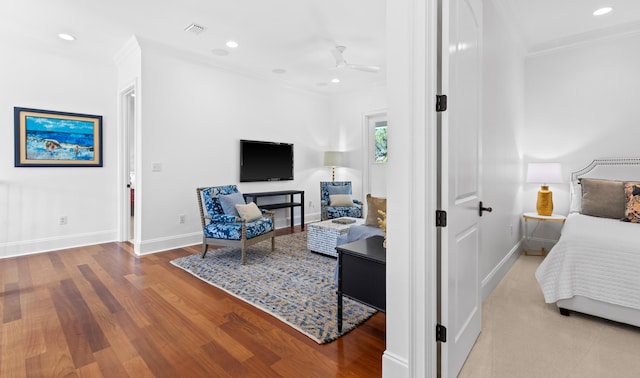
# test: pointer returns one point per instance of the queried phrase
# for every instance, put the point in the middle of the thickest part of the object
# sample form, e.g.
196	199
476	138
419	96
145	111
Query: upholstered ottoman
322	236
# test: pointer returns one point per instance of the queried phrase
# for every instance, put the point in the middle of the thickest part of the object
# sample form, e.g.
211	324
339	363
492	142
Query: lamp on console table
333	159
545	174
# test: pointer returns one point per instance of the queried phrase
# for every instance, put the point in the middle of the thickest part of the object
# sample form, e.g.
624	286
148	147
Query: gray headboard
622	169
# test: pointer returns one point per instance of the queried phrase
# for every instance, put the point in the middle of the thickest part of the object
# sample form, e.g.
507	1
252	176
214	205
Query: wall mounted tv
265	161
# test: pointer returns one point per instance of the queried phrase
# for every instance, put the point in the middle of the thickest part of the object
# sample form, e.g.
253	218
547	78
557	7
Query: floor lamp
333	159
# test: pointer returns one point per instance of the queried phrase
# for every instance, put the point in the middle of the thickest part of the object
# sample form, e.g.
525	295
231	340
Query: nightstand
554	218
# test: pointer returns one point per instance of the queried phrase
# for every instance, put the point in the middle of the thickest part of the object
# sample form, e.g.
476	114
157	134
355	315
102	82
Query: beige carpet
524	337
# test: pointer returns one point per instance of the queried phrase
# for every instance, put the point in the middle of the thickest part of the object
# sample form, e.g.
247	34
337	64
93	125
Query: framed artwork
45	138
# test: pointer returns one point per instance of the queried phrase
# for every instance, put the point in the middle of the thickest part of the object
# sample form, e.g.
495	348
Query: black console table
282	205
362	273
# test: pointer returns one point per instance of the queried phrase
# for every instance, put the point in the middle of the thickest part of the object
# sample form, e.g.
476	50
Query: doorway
128	204
375	160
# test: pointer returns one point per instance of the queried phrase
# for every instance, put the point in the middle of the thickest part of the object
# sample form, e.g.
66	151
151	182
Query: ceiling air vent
194	28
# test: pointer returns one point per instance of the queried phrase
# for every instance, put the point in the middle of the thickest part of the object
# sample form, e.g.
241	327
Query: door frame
412	186
366	118
123	194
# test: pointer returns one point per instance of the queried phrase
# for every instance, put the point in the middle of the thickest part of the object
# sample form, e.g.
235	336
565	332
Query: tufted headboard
621	169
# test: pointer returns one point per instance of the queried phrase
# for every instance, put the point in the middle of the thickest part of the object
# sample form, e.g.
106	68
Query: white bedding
597	258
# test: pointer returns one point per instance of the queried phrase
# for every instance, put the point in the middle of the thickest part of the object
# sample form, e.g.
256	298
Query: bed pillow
632	209
229	202
603	198
341	200
250	211
373	205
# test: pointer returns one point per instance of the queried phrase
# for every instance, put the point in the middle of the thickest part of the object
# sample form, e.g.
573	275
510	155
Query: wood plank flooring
101	311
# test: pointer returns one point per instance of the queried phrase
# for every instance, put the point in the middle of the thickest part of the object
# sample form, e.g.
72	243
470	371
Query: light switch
156	167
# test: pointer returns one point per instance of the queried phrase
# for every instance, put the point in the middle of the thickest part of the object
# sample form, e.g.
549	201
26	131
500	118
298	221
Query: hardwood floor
101	311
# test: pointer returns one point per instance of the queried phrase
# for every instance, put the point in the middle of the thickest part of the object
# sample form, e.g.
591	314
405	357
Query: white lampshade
544	173
333	158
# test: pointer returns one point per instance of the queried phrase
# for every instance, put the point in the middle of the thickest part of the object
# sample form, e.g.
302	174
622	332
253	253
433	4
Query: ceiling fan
342	63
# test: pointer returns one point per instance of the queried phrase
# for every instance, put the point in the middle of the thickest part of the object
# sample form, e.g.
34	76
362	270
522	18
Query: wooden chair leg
244	254
273	243
204	249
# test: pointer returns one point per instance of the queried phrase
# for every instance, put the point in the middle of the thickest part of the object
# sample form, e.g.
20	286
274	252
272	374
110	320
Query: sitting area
228	221
336	200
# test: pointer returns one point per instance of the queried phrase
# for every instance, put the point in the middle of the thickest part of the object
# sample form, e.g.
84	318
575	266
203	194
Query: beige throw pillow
250	211
341	200
603	198
373	205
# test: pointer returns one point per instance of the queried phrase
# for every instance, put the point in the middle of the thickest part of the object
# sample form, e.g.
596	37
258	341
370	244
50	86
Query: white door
461	60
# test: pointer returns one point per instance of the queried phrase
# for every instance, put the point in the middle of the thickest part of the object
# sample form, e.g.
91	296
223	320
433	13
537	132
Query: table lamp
333	159
545	174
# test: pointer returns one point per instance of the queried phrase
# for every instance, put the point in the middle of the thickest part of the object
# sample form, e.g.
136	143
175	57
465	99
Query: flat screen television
265	161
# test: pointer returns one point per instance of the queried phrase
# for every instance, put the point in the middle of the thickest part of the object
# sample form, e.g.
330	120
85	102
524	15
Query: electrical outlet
310	204
62	220
511	230
181	219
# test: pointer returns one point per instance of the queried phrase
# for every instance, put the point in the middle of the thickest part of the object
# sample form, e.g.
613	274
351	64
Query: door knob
482	209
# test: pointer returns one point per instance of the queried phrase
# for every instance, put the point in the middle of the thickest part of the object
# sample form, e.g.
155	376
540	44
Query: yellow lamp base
545	201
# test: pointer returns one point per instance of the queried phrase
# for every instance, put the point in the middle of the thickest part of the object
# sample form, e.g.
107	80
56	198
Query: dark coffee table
362	273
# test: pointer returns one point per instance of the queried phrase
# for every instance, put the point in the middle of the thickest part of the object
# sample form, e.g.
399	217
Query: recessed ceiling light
220	52
336	80
66	37
279	71
601	11
232	44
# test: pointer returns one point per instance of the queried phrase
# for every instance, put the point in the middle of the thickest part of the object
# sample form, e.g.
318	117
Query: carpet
290	283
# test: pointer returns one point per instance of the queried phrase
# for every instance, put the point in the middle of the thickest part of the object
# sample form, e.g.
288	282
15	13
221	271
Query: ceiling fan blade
361	67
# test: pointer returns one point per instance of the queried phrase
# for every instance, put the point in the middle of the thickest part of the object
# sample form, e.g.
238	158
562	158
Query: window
381	142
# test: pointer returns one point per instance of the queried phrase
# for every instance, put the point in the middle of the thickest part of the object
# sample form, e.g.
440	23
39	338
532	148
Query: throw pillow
632	210
374	204
338	189
229	202
250	211
341	200
603	198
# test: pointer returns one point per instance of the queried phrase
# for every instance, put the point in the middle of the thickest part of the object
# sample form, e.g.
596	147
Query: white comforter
596	258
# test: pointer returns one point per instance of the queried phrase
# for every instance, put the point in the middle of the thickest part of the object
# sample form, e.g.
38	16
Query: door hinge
441	103
441	333
441	218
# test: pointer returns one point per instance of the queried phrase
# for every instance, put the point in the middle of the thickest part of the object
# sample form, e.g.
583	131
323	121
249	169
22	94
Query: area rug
291	283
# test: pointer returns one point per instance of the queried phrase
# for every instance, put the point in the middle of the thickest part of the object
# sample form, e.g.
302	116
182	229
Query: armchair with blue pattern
328	188
230	230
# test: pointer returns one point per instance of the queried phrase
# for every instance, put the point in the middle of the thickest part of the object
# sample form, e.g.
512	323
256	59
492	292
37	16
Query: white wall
35	75
347	114
193	118
501	144
581	104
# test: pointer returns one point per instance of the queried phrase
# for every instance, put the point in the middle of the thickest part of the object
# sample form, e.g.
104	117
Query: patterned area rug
290	283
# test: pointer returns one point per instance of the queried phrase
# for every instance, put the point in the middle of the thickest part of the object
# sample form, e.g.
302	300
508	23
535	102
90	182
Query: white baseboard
30	247
394	366
172	242
493	279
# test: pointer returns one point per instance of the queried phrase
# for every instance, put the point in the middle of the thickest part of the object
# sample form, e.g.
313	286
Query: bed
595	266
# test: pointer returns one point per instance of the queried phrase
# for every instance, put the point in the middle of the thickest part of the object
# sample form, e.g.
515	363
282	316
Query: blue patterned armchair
227	229
338	210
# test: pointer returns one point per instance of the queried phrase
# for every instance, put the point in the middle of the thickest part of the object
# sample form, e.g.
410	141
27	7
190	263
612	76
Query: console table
362	273
282	205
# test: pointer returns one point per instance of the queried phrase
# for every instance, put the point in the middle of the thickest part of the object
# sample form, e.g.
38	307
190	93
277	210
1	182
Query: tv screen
265	161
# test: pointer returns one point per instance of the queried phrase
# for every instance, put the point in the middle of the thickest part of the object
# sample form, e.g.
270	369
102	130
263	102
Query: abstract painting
45	138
